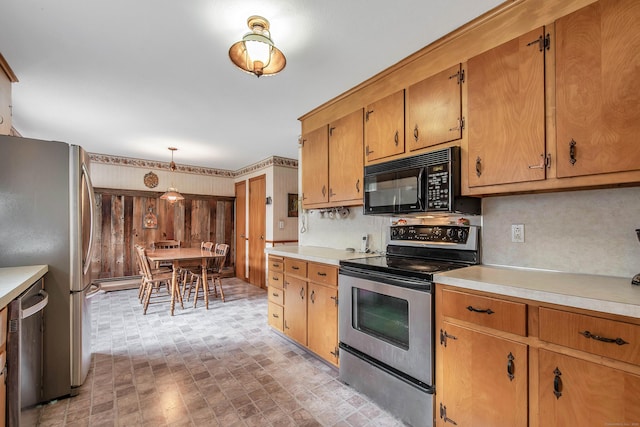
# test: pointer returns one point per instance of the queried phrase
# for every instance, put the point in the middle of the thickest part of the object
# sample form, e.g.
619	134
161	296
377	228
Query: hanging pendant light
255	53
172	194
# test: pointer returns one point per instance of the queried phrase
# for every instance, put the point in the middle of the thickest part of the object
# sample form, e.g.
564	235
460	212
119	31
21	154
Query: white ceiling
131	78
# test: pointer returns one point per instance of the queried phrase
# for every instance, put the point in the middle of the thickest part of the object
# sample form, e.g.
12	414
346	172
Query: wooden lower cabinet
575	392
505	361
322	320
305	296
485	379
295	309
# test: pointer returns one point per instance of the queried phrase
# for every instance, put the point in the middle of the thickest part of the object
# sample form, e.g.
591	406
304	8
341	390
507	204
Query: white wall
104	175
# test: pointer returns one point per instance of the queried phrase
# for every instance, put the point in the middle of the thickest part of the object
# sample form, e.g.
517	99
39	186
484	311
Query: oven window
382	316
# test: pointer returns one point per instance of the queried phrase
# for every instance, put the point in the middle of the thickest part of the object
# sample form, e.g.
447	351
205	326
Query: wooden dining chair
195	275
151	279
216	270
165	244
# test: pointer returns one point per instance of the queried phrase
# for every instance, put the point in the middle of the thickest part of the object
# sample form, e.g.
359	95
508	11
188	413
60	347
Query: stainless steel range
386	316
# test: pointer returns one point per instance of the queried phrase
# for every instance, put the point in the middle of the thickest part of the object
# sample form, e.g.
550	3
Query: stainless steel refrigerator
46	217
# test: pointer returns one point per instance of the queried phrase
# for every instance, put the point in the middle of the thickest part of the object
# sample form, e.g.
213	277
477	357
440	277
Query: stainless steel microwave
428	182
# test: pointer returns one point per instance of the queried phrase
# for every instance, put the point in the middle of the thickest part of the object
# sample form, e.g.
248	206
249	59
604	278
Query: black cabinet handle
275	294
313	297
358	185
321	273
275	315
302	293
618	341
510	366
396	138
479	310
557	383
275	279
572	152
478	166
295	267
415	133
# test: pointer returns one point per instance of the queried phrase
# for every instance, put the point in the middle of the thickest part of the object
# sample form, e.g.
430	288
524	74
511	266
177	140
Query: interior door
241	230
257	231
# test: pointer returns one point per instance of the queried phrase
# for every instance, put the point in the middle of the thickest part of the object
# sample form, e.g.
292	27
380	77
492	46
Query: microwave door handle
420	198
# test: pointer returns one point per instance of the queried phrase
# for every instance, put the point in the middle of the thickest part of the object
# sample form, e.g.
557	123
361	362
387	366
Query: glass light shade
256	53
172	195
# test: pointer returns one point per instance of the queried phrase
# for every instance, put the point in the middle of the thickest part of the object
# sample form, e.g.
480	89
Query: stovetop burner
420	251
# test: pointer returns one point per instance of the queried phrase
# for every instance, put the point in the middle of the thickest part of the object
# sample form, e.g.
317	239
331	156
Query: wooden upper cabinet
597	63
506	112
384	127
434	110
346	159
315	166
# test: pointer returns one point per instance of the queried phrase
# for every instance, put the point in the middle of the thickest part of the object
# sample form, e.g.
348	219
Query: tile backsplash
590	231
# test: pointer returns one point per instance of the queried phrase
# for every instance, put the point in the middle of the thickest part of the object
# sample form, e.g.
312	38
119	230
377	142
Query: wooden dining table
181	257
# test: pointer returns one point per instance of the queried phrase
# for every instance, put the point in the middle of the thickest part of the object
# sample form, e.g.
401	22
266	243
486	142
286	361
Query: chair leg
149	289
219	284
195	295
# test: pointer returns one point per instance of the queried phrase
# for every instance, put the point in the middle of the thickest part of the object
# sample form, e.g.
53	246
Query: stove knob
462	235
450	233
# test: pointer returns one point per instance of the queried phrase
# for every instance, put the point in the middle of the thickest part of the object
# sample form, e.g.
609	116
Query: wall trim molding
106	159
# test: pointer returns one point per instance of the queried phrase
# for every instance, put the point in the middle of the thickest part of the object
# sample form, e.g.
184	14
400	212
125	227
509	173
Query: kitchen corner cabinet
332	159
484	370
506	112
597	62
309	304
384	127
434	109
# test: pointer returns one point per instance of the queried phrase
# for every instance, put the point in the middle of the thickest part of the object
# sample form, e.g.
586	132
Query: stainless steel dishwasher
25	353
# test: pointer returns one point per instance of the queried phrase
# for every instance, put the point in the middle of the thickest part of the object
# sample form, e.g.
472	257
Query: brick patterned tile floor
218	367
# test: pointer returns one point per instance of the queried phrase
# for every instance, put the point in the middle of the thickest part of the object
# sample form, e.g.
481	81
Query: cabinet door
485	379
295	309
574	392
384	127
506	122
597	63
315	166
346	158
434	110
323	321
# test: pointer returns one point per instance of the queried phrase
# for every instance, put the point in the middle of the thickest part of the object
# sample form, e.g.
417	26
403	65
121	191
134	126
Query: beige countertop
614	295
316	254
15	280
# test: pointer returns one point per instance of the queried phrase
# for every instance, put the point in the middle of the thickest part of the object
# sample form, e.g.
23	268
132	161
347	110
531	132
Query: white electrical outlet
517	233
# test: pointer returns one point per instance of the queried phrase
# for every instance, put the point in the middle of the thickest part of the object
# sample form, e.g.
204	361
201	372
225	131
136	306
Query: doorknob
261	237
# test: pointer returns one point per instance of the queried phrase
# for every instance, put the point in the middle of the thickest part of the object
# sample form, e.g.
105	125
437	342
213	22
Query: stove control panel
431	233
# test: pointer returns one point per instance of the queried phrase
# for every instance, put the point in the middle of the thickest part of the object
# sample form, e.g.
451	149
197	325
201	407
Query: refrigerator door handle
36	307
92	202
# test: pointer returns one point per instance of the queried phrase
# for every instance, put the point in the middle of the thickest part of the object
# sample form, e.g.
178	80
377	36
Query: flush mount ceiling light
172	194
255	53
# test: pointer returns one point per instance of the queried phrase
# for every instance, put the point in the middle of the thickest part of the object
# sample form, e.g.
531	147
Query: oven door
388	320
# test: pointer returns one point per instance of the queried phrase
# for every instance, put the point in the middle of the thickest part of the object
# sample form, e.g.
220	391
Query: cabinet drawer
296	267
276	295
276	316
322	273
591	334
276	263
493	313
276	279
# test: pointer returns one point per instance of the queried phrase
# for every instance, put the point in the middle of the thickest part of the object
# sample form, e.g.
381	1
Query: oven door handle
390	279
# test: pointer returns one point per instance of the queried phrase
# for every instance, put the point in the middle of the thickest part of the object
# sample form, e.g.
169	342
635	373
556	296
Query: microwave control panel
439	189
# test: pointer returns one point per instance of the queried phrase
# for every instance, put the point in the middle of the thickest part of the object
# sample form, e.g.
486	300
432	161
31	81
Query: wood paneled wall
119	226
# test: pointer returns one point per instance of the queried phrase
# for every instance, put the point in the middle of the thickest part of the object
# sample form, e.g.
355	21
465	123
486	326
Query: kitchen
558	227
